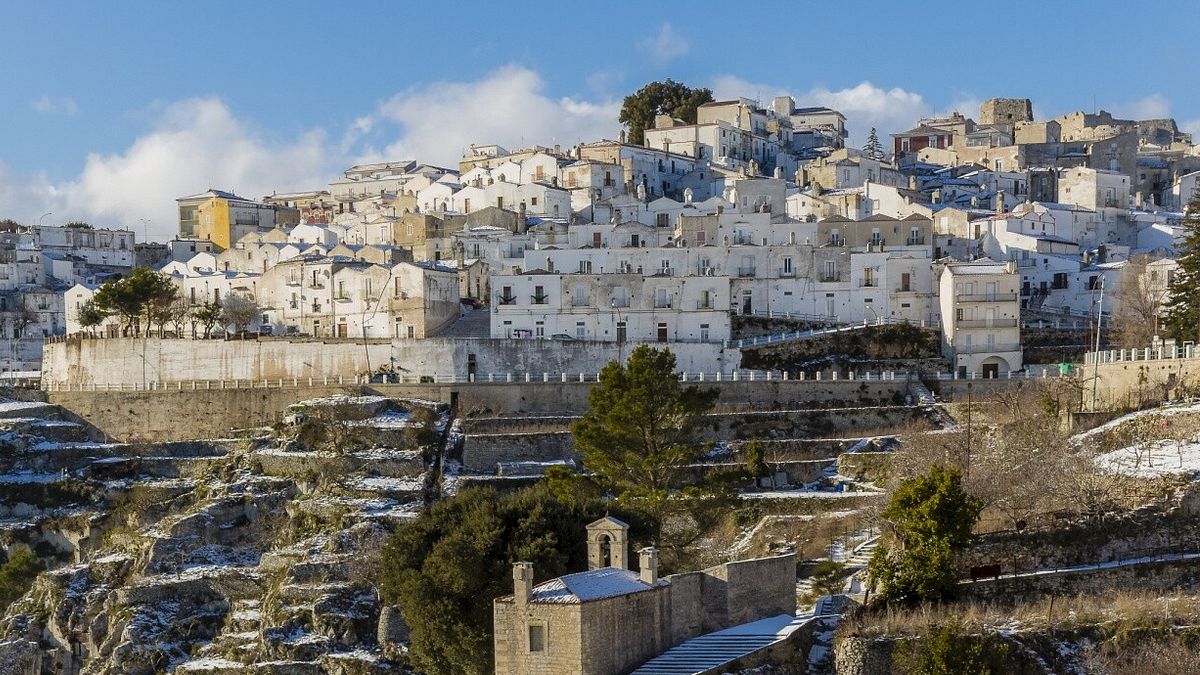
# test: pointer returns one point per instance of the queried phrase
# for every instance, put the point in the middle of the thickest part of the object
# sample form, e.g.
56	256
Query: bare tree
239	311
1138	301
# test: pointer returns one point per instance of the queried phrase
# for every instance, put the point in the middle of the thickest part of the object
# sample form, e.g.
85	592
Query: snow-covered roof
606	582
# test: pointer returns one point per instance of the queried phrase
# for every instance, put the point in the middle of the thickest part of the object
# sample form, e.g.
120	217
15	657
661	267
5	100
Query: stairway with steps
715	649
472	323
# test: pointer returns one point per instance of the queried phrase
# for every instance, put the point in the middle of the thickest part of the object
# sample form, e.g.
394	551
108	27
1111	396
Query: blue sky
114	109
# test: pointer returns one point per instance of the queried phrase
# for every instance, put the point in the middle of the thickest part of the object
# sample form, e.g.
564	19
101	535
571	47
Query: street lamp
48	213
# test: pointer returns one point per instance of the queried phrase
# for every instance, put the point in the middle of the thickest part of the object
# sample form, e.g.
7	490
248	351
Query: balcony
746	271
662	304
619	303
1000	296
914	241
507	300
830	278
539	299
785	272
986	323
997	348
868	283
704	304
836	241
904	289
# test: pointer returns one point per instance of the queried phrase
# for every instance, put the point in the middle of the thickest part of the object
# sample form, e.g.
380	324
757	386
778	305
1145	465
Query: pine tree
1182	317
873	148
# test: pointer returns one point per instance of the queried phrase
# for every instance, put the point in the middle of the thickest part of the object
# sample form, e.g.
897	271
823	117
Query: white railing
1157	353
739	375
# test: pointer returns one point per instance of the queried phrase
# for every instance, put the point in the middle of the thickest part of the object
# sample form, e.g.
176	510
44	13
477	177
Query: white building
981	318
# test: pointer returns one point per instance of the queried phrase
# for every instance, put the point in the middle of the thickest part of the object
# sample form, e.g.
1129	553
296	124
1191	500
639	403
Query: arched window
605	551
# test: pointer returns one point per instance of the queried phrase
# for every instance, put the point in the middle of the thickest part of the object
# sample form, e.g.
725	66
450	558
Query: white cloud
1153	106
508	106
24	198
864	105
1192	127
966	105
49	106
666	46
196	144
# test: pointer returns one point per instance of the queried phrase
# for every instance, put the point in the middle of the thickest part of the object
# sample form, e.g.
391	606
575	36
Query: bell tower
608	544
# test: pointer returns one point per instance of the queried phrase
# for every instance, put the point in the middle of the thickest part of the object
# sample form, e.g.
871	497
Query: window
787	266
830	271
704	331
580	330
539	329
663	219
537	637
579	296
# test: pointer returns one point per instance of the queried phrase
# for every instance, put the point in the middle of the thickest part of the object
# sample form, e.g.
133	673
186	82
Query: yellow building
222	217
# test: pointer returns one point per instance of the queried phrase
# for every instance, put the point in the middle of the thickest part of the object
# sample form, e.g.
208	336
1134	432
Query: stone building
609	619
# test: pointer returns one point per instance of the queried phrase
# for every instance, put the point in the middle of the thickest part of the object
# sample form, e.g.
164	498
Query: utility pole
967	468
1096	352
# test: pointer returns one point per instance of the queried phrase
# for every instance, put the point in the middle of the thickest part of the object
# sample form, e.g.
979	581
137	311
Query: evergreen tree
931	516
660	98
641	432
873	148
1182	317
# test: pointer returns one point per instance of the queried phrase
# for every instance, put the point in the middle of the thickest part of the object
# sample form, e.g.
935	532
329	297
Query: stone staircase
713	650
472	323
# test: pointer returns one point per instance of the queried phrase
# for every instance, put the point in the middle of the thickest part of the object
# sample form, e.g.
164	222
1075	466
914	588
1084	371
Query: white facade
981	318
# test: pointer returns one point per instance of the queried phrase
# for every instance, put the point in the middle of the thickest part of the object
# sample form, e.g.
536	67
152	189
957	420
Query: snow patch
1159	458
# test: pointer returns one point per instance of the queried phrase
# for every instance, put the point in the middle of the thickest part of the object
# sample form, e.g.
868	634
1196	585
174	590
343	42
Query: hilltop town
722	394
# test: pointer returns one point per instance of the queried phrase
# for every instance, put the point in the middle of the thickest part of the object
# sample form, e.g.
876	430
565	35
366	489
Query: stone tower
608	544
1006	111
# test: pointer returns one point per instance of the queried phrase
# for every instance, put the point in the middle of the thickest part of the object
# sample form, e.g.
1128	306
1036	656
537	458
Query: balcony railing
986	323
999	296
914	241
746	271
704	304
829	278
868	283
986	348
904	289
507	300
662	304
784	272
539	299
619	302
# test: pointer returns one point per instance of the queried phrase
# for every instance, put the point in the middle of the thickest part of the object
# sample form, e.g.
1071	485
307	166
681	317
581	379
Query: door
991	371
342	330
662	332
620	331
747	302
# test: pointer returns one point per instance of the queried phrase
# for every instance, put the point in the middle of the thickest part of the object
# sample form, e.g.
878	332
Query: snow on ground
389	484
1124	419
807	494
1155	459
13	406
339	399
389	420
31	477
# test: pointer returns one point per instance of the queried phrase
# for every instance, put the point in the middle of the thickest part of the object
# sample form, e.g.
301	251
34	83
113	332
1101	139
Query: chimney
522	584
912	182
648	565
1138	199
999	202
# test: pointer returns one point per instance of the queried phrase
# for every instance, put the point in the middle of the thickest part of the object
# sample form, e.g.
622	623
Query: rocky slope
230	556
